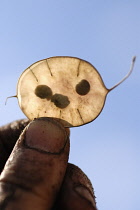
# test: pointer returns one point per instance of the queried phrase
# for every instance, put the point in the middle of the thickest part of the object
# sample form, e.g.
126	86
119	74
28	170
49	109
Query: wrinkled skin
37	175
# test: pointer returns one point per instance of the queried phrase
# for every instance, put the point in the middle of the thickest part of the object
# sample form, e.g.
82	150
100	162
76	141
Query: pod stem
131	69
8	98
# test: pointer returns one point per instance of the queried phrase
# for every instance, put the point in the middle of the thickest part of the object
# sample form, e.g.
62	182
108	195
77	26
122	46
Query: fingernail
46	135
84	192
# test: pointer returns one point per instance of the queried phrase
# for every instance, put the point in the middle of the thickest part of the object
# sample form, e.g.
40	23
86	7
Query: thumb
34	171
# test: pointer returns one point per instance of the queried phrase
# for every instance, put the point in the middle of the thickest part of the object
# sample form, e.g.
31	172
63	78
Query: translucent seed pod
67	88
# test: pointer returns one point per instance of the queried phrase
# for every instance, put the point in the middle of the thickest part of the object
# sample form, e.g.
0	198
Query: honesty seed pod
66	88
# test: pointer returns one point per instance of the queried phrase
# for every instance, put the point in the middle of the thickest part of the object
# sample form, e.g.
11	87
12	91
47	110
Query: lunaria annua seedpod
66	88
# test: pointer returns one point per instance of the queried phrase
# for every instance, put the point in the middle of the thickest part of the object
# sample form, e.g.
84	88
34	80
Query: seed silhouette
60	101
43	91
83	87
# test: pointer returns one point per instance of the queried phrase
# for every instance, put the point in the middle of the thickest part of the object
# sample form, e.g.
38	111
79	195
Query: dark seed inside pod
43	91
60	101
83	87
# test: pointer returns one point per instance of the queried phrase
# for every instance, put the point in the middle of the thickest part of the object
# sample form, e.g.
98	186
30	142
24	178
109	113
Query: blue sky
107	34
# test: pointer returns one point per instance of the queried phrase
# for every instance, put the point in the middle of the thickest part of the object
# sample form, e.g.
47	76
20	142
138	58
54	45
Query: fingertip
46	135
76	192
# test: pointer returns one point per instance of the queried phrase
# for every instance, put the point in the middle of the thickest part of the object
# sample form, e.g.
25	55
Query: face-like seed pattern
66	88
83	87
43	91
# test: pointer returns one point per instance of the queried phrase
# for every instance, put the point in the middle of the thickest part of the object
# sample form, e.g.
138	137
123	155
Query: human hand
36	175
